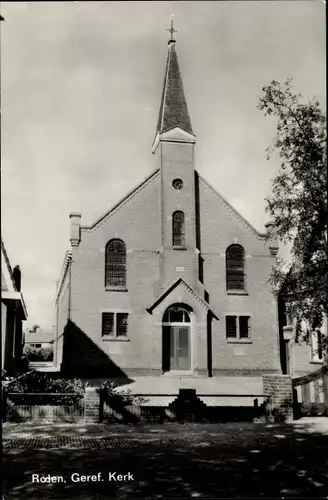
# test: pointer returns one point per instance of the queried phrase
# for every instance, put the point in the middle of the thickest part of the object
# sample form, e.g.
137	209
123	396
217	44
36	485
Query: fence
43	407
310	393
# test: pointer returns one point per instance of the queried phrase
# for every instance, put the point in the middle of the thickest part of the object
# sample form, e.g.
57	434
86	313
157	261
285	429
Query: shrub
39	354
38	382
126	398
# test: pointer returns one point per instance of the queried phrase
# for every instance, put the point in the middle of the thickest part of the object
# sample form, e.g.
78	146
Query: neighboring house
172	279
13	313
39	339
300	358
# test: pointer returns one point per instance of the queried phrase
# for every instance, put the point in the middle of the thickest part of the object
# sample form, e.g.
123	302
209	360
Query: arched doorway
176	338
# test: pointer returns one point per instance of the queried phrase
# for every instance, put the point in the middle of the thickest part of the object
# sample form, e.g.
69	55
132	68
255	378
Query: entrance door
179	348
176	339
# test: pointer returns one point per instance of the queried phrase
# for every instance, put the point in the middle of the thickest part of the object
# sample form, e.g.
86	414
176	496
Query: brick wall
91	405
279	387
219	228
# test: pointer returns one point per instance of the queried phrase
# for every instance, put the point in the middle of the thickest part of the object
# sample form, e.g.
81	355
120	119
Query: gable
222	225
123	201
178	289
134	219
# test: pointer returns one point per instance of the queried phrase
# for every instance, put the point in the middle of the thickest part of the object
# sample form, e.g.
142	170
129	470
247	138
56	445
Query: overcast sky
81	84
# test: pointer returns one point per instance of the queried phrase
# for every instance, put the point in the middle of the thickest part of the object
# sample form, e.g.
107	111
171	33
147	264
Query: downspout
56	346
69	290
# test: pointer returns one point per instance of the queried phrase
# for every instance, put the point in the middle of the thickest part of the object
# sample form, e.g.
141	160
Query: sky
81	84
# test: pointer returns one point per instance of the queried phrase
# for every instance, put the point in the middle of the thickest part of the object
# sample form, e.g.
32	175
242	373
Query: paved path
27	436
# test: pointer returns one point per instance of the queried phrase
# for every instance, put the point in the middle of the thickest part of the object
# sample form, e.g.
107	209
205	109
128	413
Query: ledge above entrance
179	292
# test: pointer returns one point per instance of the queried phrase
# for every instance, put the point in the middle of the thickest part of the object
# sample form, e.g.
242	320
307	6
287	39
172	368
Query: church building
172	279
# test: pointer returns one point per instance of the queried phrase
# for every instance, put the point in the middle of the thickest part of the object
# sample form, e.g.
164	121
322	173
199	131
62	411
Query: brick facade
160	275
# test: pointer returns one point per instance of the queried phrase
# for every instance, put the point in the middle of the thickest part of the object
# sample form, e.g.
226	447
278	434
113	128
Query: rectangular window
107	324
237	327
121	324
243	327
114	324
231	326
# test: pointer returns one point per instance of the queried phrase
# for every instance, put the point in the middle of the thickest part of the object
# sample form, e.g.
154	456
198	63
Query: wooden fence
43	408
311	393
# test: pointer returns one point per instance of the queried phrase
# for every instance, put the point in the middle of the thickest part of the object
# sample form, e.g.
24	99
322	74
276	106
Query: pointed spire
173	111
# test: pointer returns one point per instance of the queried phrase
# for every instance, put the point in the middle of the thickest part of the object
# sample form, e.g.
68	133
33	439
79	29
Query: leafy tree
298	204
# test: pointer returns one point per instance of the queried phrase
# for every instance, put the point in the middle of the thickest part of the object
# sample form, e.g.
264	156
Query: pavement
25	436
227	460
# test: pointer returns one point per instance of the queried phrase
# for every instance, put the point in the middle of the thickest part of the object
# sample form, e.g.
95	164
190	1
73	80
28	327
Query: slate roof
173	111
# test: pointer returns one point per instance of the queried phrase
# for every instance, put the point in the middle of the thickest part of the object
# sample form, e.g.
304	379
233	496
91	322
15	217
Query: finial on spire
171	31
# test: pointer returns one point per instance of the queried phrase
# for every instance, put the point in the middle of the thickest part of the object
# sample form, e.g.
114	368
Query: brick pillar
91	405
279	387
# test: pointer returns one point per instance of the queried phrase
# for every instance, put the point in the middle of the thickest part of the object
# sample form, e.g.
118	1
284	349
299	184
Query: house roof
39	337
7	277
65	266
8	286
173	111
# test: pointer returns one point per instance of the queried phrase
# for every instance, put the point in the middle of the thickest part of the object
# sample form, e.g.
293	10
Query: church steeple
173	110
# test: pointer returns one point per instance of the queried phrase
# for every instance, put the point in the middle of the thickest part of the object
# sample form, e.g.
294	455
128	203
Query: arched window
178	229
115	264
235	268
176	314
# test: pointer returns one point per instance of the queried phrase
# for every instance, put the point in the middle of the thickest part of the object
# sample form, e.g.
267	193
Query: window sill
116	289
179	247
115	339
239	341
236	292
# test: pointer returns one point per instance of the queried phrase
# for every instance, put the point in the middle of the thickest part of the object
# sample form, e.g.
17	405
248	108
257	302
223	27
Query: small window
178	229
231	326
114	325
237	327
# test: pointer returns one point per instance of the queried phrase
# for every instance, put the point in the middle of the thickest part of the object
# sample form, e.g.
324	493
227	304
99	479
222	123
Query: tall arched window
178	229
115	264
235	268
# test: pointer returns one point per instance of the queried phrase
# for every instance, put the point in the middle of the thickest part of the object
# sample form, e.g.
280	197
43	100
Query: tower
174	146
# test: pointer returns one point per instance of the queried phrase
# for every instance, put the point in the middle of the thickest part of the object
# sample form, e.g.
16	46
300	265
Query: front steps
186	407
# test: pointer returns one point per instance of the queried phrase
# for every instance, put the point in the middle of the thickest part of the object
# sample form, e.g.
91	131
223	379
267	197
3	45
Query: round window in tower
177	184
